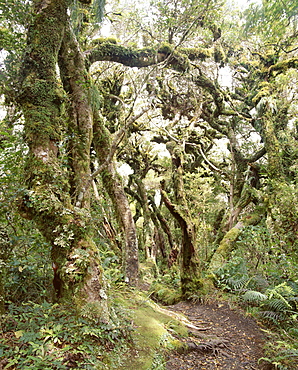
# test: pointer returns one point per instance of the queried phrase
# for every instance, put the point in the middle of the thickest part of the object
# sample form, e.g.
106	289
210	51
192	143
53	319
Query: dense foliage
164	155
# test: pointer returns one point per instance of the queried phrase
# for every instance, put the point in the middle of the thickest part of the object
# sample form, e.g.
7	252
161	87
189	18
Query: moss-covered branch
215	92
108	51
284	65
76	83
228	242
178	59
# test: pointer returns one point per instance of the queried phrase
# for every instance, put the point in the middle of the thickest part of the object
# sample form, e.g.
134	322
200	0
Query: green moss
196	53
182	64
93	311
225	245
217	262
100	40
191	285
150	335
125	55
164	294
165	48
148	271
284	65
264	90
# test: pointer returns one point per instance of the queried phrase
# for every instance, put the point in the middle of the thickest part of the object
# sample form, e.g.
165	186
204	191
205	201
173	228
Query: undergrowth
274	304
51	336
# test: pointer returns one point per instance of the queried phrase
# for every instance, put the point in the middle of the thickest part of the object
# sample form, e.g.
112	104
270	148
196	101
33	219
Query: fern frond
281	290
236	283
98	9
252	296
293	301
271	316
278	305
258	283
293	332
292	352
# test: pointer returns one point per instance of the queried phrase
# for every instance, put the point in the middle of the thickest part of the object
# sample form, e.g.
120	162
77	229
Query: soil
227	340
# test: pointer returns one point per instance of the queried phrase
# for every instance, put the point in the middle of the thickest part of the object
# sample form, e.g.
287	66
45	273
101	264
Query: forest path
227	339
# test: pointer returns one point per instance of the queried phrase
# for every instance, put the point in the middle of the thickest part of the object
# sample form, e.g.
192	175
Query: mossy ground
152	334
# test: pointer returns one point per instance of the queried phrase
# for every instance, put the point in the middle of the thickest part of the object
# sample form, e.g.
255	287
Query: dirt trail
227	341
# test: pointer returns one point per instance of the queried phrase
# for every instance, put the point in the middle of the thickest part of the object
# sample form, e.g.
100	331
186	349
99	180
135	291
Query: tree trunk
147	229
113	185
275	168
48	199
5	251
76	83
157	216
190	281
227	244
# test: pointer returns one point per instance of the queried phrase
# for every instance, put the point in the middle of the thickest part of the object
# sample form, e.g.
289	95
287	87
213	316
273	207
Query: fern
293	301
280	291
272	316
236	283
293	332
292	352
258	283
254	297
233	275
278	305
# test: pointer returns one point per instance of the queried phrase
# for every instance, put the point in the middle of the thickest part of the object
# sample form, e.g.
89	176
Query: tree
183	89
54	197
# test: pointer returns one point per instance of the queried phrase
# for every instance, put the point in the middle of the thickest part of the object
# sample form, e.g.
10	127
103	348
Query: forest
148	167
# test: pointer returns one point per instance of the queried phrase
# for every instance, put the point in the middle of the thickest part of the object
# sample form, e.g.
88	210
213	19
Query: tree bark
76	83
227	244
190	279
163	223
147	229
275	168
177	59
113	185
5	251
48	199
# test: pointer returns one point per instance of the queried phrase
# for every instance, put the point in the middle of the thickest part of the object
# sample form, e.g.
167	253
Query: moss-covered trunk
228	243
114	186
275	168
5	251
190	274
76	83
47	197
147	229
158	219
